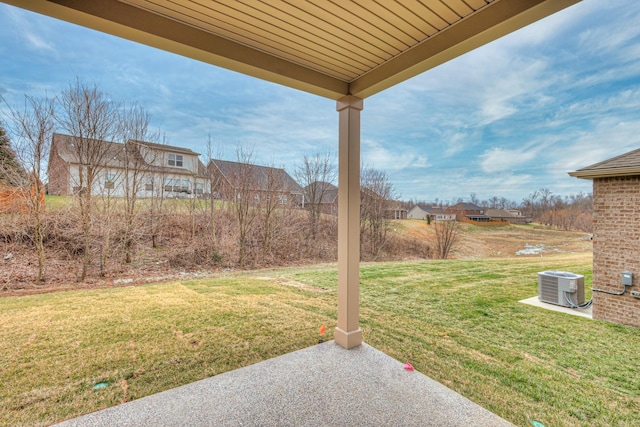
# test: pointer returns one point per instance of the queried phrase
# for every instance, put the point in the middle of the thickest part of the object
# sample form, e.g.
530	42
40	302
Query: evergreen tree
10	170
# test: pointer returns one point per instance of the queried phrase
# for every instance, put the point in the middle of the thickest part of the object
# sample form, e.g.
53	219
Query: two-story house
145	168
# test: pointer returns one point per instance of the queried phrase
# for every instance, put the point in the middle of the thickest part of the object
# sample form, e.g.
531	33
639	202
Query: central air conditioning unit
561	288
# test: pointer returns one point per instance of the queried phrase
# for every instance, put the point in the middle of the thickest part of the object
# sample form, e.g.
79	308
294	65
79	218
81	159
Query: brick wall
616	247
59	175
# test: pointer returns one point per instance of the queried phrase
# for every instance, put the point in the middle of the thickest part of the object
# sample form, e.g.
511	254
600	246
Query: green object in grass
537	424
100	385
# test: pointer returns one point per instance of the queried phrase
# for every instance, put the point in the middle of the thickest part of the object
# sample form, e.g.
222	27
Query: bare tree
104	221
136	174
91	118
243	184
315	174
211	195
273	197
33	130
376	196
446	237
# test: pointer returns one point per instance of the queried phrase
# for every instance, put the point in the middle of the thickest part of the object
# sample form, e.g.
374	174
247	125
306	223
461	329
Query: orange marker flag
323	329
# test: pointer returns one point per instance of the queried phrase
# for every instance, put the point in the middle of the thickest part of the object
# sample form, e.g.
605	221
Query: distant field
503	241
458	321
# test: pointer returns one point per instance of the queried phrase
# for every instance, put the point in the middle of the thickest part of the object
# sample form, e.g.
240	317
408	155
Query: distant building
395	212
230	180
158	170
469	211
324	194
511	216
422	211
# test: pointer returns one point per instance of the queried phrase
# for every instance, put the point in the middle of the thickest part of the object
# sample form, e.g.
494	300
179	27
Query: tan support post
348	333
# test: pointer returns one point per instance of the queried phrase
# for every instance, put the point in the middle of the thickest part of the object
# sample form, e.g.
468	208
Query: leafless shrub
315	174
446	237
32	129
376	196
133	128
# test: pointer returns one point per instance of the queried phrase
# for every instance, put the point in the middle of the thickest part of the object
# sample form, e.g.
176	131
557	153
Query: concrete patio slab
323	385
534	301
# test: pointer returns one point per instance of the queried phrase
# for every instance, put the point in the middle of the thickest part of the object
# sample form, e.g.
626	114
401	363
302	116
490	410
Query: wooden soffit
331	48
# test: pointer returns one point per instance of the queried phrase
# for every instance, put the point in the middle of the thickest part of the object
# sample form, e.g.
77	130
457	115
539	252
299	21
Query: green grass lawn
458	322
53	203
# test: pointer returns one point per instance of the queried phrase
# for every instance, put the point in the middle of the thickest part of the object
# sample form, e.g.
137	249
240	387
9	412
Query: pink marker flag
408	366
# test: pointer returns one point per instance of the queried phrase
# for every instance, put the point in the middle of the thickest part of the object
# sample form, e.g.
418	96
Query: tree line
569	213
100	235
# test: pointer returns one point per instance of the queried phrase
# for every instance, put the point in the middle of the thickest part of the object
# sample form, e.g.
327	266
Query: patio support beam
348	333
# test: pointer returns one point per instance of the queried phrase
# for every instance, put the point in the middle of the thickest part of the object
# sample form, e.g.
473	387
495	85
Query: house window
199	188
283	199
168	184
175	160
184	186
109	180
148	186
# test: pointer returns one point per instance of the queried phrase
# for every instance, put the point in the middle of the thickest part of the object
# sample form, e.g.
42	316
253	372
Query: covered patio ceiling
344	50
330	48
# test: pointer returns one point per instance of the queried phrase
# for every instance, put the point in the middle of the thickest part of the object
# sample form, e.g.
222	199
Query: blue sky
503	120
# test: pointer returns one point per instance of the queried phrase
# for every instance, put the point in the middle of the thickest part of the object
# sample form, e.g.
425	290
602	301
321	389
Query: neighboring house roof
259	175
499	213
428	209
622	165
327	192
164	147
64	147
465	207
436	210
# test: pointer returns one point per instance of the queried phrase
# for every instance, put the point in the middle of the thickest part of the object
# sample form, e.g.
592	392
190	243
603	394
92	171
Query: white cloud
607	138
33	35
36	41
497	160
602	39
392	158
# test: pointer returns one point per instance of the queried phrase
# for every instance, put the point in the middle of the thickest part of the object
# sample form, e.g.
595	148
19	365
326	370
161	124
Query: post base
348	339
